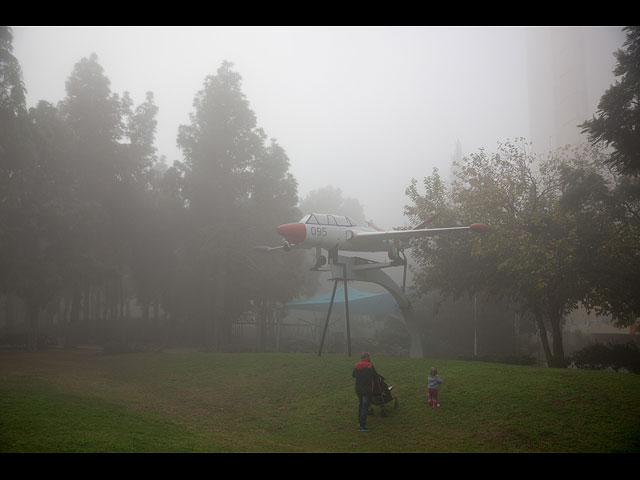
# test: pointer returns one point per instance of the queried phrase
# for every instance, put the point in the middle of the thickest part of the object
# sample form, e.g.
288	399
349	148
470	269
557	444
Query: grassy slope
86	401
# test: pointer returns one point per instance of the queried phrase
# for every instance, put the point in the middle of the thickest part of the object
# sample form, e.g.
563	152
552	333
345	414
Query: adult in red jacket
364	373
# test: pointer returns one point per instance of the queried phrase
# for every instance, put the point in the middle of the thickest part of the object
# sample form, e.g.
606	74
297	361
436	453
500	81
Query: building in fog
569	69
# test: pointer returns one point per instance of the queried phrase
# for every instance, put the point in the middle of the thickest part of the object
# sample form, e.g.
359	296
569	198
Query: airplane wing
269	249
421	232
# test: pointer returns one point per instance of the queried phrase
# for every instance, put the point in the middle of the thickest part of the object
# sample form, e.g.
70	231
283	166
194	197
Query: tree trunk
145	304
33	312
542	331
218	304
558	350
556	358
261	321
8	312
74	318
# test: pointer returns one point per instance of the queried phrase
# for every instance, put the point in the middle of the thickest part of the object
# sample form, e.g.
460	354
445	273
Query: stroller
382	395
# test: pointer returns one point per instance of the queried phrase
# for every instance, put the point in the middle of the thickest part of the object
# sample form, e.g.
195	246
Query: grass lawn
87	401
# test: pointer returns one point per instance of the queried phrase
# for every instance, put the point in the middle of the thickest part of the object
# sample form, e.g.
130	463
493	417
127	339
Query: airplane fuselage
337	232
330	237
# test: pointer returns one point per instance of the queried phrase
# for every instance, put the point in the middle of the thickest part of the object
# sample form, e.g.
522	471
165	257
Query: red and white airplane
337	232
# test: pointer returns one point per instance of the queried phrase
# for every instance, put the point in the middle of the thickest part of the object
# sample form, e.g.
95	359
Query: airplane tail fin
426	222
373	225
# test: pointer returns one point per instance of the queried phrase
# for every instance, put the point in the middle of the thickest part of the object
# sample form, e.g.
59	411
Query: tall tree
613	196
140	131
36	211
92	113
220	145
112	153
13	136
603	206
27	223
12	90
49	228
617	121
276	279
138	213
165	234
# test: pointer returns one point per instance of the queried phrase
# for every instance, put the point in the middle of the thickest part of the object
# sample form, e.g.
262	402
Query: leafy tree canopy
552	234
617	121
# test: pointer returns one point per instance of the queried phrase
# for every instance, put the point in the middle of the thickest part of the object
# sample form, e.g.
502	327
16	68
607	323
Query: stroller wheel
395	404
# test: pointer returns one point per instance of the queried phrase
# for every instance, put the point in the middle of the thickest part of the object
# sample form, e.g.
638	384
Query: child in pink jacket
433	383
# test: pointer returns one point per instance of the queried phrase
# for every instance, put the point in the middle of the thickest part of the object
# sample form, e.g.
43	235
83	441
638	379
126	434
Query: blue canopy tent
360	303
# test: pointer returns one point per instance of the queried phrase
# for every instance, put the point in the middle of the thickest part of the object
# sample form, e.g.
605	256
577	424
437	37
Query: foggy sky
365	109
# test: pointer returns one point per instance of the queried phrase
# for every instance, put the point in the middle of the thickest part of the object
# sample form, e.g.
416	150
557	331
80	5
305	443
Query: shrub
615	356
508	359
21	340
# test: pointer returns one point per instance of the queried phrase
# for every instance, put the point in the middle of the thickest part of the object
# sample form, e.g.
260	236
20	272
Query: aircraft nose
480	227
293	233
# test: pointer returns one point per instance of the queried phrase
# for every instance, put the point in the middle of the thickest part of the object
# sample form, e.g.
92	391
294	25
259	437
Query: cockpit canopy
325	219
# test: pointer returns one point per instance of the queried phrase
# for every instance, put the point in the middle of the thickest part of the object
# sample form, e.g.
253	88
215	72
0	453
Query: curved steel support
363	270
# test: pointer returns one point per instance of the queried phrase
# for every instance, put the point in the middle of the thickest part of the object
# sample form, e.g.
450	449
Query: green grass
86	401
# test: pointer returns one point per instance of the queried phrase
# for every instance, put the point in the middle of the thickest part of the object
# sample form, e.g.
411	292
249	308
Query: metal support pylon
345	269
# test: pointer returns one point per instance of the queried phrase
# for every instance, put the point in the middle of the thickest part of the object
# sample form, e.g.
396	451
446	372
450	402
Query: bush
128	347
21	340
508	359
615	356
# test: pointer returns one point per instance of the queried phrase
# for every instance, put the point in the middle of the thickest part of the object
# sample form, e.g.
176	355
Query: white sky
365	109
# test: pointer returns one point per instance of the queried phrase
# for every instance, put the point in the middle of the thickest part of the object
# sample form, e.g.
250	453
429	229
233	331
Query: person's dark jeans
364	402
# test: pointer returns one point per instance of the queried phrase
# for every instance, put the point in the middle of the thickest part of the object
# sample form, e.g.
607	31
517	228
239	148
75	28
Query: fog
361	108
